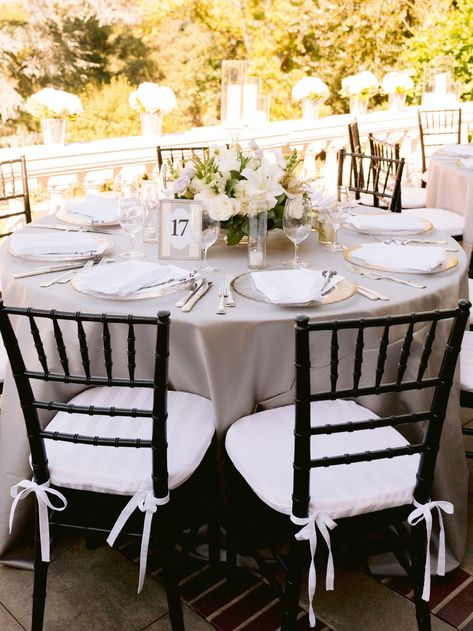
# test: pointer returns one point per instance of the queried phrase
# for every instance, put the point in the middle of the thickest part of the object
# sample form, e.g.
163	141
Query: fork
377	276
229	302
222	293
420	241
66	277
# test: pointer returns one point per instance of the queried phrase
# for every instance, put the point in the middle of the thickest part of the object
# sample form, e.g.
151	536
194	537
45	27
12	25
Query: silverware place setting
381	276
69	275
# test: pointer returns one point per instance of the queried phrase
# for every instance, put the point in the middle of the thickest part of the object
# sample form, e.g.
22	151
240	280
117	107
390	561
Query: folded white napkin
390	222
73	244
458	150
125	279
399	257
95	209
291	286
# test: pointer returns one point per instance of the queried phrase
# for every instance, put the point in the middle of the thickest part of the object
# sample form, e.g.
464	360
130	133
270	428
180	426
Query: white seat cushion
125	470
3	360
413	197
444	220
261	447
466	362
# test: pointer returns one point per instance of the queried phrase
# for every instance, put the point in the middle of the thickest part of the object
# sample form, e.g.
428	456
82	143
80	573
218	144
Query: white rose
221	207
181	184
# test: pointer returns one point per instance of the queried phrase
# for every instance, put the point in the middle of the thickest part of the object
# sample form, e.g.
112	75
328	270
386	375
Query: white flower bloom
296	207
219	207
188	170
227	160
397	82
181	184
263	182
151	97
362	82
52	103
310	88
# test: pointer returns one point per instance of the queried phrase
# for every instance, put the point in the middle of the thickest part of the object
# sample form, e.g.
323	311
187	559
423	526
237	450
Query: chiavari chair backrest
373	178
13	186
74	361
437	128
413	370
178	156
354	137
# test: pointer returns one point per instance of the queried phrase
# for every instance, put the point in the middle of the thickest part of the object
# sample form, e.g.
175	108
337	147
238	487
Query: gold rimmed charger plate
393	233
450	262
107	248
243	285
77	220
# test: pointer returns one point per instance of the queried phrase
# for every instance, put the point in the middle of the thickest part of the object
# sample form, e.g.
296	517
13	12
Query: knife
66	228
371	294
197	296
180	303
48	270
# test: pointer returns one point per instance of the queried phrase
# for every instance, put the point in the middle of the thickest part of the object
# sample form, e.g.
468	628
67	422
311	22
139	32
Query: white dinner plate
449	262
141	294
427	226
104	246
77	220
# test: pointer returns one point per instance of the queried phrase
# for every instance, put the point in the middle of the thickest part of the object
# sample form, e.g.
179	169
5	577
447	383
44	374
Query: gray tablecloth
245	357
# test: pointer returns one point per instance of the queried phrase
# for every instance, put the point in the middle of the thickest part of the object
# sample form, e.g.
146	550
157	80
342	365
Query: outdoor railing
90	164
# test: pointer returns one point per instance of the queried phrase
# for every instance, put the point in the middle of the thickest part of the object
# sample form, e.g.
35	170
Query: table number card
181	229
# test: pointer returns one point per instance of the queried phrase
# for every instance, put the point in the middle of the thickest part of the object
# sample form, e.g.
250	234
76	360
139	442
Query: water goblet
337	215
297	224
131	216
210	232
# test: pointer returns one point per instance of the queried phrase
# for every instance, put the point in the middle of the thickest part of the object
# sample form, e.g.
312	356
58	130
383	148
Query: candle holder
234	75
257	233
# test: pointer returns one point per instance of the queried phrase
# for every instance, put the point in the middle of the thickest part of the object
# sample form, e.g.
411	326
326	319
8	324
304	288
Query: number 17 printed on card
180	229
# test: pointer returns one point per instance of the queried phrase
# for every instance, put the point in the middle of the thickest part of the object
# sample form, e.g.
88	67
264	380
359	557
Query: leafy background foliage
102	49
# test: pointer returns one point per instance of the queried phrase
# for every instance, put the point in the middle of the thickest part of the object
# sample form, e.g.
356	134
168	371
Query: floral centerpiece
52	103
151	97
312	91
397	85
231	178
359	88
152	101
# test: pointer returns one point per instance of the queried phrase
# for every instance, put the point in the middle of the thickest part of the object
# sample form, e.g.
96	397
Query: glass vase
358	105
257	233
310	109
397	101
151	123
53	131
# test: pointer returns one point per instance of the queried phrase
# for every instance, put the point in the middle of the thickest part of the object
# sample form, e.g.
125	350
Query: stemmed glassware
297	224
130	213
210	232
339	213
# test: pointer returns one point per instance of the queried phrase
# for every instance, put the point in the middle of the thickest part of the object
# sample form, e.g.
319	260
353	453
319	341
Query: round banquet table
243	358
450	186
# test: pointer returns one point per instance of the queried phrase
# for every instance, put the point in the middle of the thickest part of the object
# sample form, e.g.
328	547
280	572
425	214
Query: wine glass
297	224
210	232
167	179
131	216
339	213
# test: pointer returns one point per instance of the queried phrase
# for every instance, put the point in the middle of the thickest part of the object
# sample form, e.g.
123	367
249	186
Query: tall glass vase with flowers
53	108
231	179
152	101
359	88
312	92
397	85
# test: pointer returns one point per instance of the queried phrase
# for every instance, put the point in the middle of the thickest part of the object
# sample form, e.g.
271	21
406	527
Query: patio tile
192	621
88	590
8	622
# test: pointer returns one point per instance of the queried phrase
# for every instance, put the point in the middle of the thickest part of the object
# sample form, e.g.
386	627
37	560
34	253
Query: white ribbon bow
41	491
309	533
147	503
424	511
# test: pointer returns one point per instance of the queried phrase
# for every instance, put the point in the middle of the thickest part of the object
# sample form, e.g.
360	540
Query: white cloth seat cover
3	360
441	219
470	293
466	362
126	470
261	448
413	197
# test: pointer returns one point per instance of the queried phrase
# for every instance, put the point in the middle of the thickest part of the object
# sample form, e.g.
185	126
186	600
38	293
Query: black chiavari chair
13	186
119	445
437	128
329	461
354	137
178	156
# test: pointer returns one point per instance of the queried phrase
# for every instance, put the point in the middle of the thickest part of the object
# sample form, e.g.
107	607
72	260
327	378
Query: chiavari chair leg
290	602
40	578
169	573
418	556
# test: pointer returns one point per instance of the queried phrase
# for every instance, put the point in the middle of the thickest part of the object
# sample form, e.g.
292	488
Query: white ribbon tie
309	533
148	504
424	512
21	490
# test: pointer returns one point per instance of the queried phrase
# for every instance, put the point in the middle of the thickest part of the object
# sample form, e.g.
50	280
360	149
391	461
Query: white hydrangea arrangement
151	97
231	178
364	84
311	88
52	103
397	83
